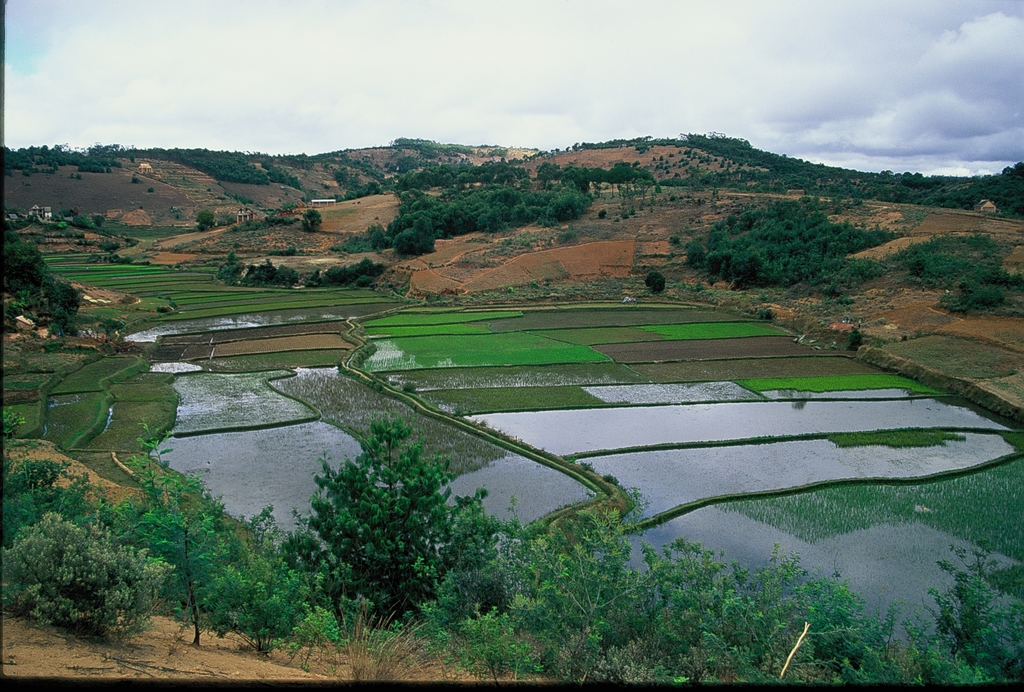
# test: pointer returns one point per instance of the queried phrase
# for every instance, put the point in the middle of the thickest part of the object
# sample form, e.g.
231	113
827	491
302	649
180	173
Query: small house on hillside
145	169
986	206
323	202
244	214
40	213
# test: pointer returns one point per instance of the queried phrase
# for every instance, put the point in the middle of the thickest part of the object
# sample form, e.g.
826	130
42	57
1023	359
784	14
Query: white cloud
938	84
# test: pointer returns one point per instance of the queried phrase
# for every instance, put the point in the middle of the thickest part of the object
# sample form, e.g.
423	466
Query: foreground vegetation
381	545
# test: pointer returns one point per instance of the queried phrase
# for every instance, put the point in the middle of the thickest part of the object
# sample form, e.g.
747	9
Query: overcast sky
919	85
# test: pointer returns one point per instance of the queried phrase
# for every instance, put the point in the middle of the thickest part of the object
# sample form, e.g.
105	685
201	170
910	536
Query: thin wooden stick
799	641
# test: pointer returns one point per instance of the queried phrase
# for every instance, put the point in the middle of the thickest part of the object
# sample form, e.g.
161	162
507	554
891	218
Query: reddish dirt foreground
164	652
702	349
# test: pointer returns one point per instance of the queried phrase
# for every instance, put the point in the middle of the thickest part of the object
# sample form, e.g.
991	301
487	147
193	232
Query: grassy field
71	416
474	350
471	401
837	383
896	439
958	357
95	376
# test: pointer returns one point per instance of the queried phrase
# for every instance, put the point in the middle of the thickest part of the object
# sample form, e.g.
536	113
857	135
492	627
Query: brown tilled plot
703	349
611	258
305	342
742	369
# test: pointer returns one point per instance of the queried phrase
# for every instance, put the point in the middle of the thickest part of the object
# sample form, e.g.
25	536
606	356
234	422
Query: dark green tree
383	519
655	281
205	220
311	220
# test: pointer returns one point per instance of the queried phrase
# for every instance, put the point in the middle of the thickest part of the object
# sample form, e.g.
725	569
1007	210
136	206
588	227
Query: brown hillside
96	193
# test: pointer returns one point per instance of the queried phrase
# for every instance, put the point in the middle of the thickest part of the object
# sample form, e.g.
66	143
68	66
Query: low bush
77	578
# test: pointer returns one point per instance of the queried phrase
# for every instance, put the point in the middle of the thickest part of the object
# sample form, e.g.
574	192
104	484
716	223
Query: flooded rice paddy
352	406
786	394
885	563
256	468
669	478
587	430
256	319
672	393
885	539
216	402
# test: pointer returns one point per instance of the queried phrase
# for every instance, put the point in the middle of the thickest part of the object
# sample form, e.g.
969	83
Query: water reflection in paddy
672	393
580	430
213	401
883	563
253	469
256	319
669	478
256	468
839	394
538	490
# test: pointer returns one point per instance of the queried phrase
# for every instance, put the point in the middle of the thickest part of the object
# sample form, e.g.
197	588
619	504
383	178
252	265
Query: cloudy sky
920	85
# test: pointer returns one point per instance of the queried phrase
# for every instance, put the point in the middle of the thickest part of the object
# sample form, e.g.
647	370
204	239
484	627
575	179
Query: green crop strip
895	438
836	383
513	348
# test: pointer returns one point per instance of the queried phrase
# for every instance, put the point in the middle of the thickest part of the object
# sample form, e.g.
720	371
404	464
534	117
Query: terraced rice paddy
211	402
568	316
352	406
688	406
746	368
834	383
701	349
561	375
674	477
884	540
474	350
255	468
253	318
273	361
588	430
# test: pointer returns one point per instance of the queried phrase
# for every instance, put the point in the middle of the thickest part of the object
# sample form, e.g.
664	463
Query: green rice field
983	508
474	350
895	439
94	376
836	383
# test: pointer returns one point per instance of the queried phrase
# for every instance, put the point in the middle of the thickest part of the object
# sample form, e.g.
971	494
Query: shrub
856	340
76	578
655	281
